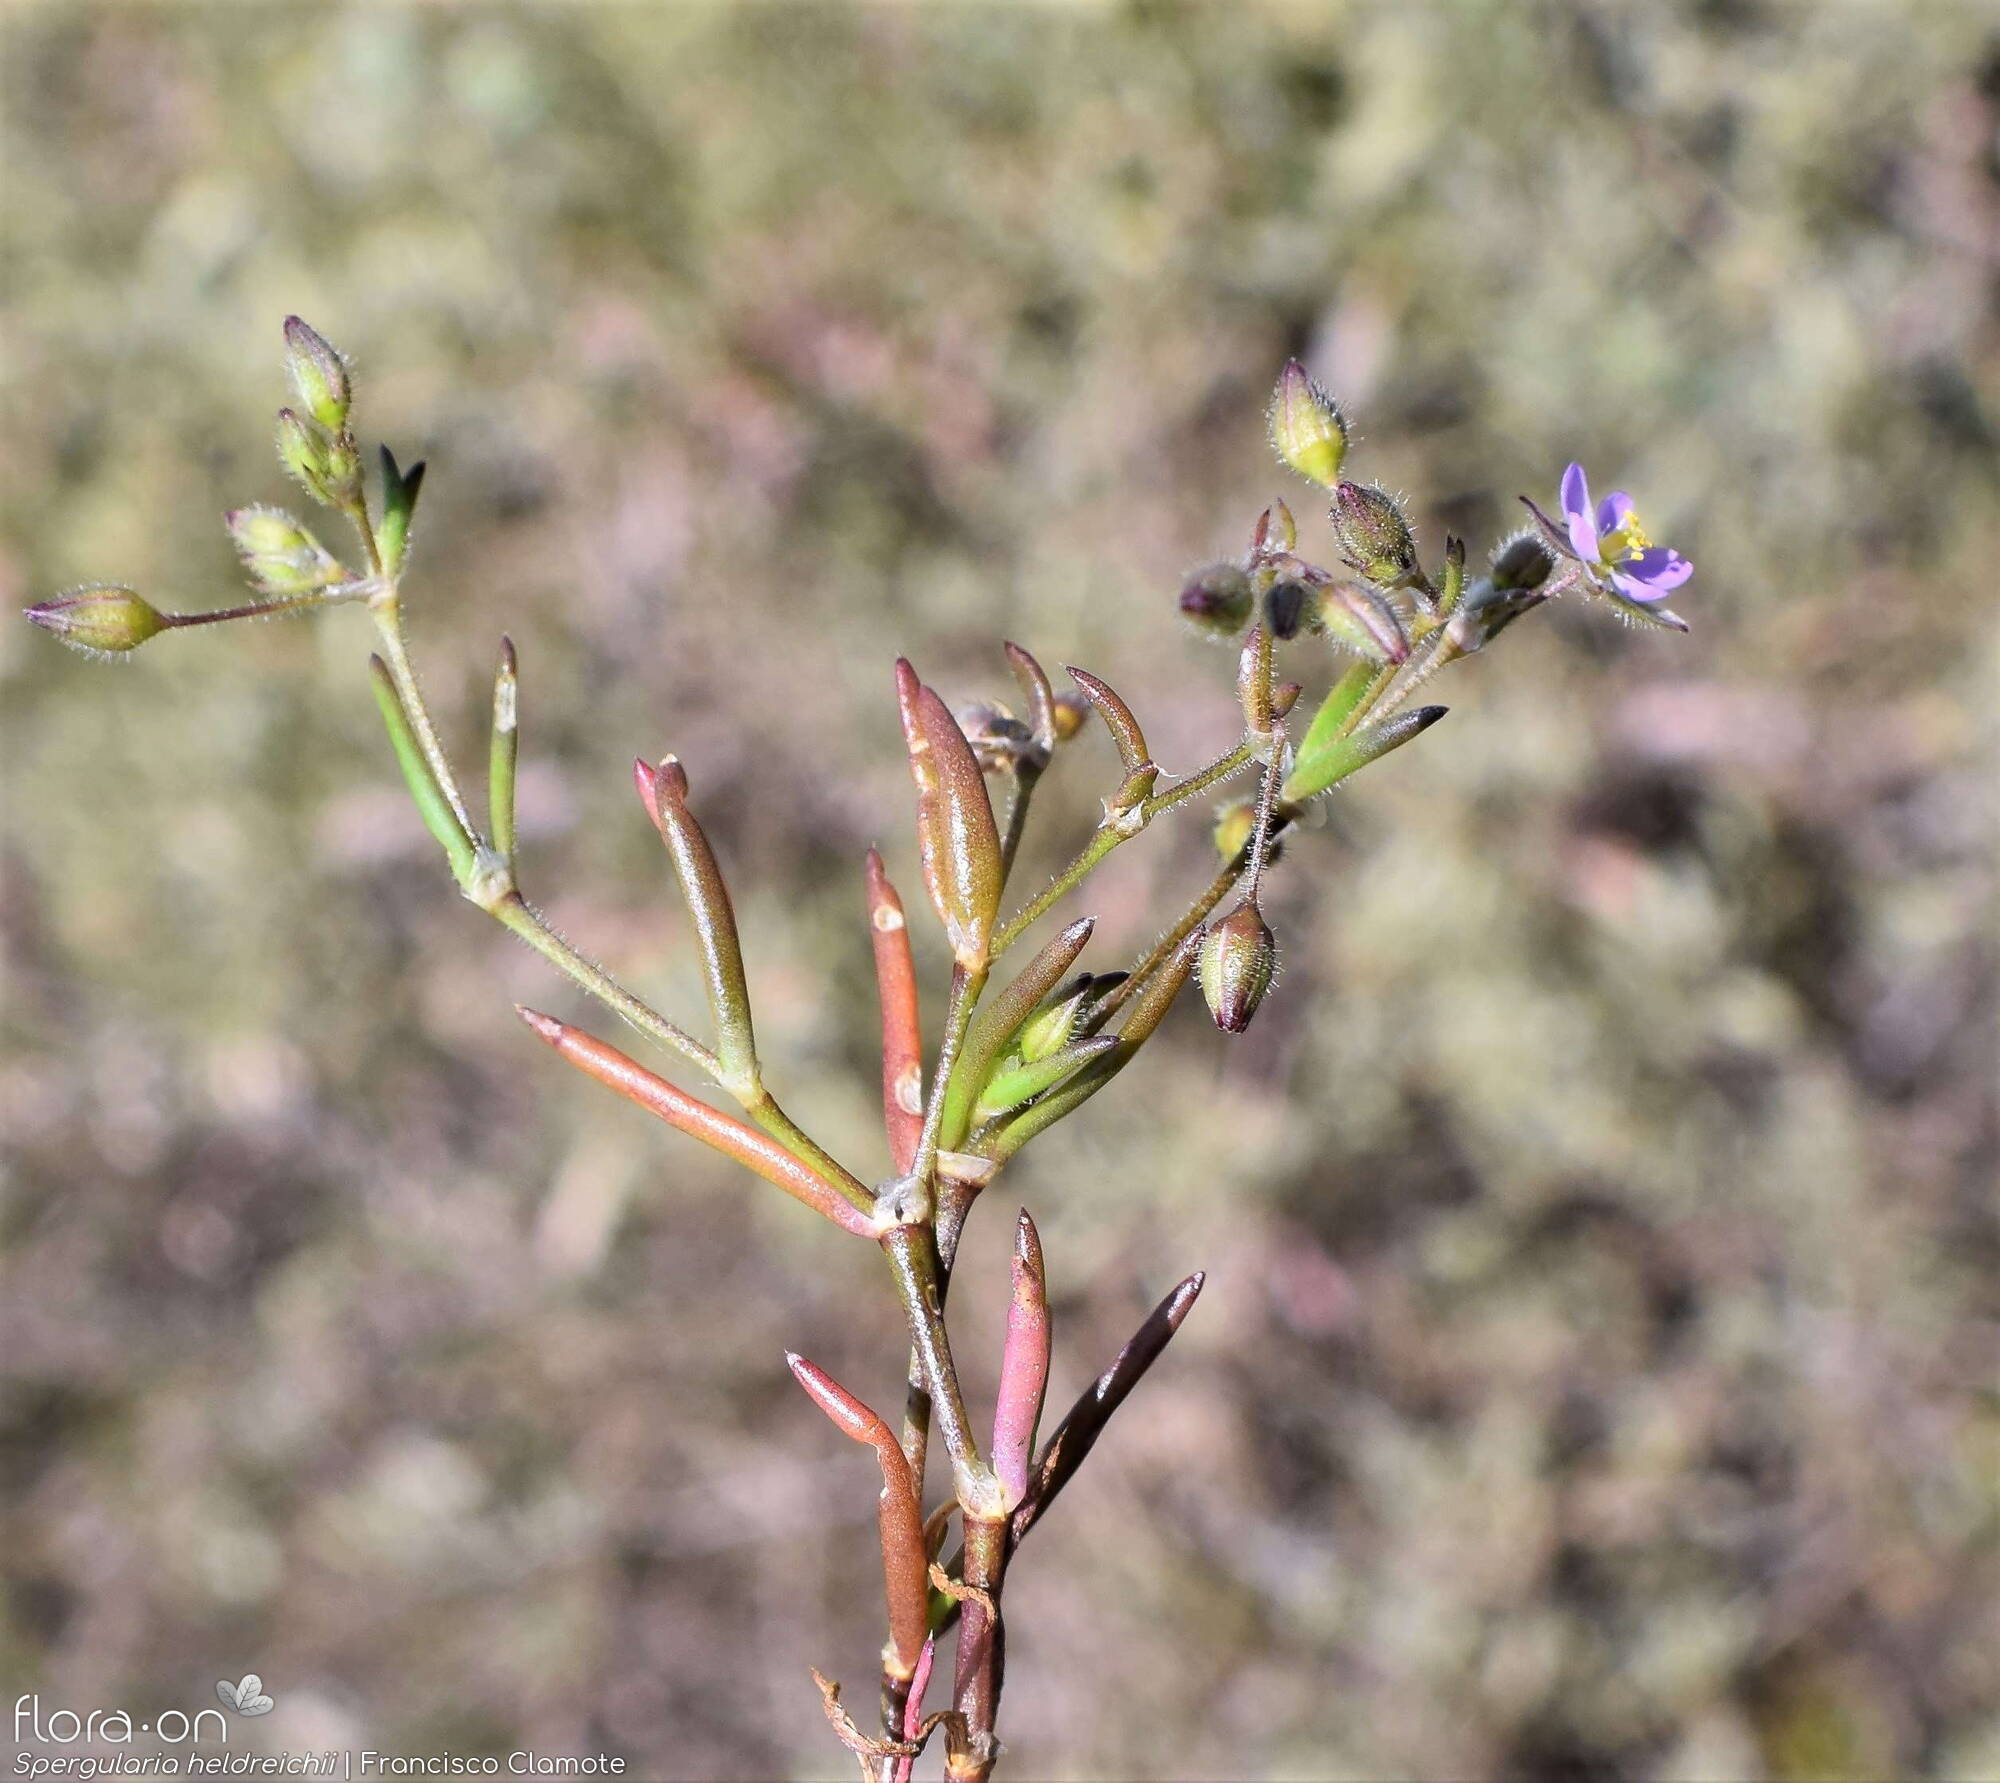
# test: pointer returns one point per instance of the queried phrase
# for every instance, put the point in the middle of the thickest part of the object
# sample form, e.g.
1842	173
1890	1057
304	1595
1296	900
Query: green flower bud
1216	600
343	458
1361	618
1234	823
1231	832
281	556
100	619
319	375
1307	427
305	453
1374	536
1238	960
1051	1026
1522	562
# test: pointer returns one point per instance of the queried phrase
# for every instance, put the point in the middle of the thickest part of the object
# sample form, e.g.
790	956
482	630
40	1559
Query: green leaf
399	502
432	805
1338	707
1010	1088
1317	770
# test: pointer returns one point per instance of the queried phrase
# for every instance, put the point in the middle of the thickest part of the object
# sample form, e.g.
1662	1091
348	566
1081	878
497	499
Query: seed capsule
99	620
1521	562
1374	536
1216	600
1239	958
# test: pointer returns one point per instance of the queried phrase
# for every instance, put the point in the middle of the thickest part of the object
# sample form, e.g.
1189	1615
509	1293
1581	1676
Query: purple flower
1610	541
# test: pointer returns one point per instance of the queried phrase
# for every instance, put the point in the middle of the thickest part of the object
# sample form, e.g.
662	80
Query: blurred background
1597	1371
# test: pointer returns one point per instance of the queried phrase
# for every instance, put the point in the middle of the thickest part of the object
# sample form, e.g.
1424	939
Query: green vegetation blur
1597	1371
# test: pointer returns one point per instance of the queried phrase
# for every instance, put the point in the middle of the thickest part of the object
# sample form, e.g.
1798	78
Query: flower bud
1216	600
281	556
1307	427
1285	605
1239	958
100	620
1235	822
343	459
1374	536
1052	1025
319	375
304	452
1521	562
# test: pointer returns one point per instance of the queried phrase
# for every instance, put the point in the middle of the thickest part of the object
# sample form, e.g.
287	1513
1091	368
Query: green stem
385	605
966	987
764	1110
1025	777
1366	703
514	912
1167	946
912	1258
965	990
1108	835
1424	662
1219	770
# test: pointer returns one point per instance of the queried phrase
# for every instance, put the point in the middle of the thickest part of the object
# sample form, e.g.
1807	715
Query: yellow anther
1624	541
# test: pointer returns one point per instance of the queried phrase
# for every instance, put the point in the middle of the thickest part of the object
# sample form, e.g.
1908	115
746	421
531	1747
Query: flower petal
1659	567
1613	511
1575	492
1576	510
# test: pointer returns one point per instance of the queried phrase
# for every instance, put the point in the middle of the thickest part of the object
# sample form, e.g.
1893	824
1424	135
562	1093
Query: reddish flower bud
1239	958
957	838
1374	536
1216	600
